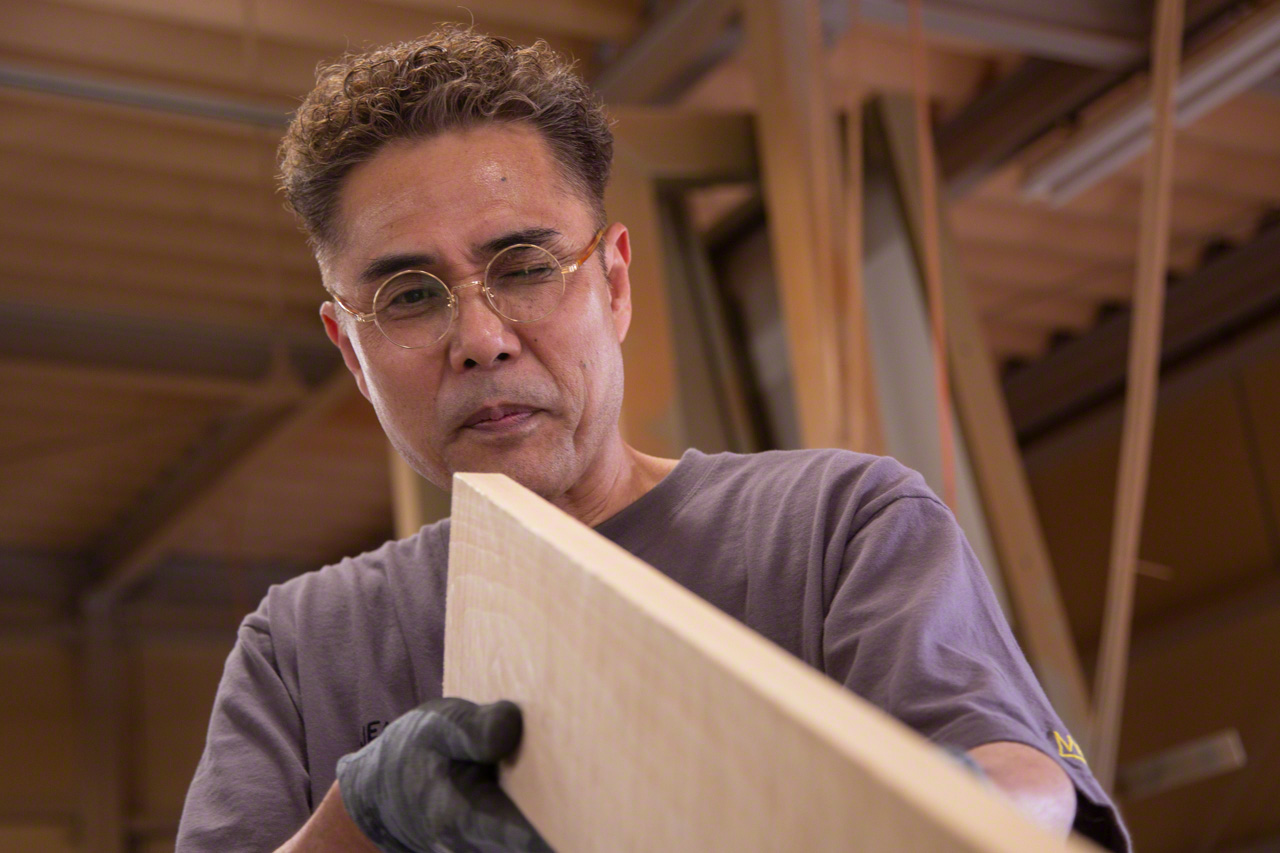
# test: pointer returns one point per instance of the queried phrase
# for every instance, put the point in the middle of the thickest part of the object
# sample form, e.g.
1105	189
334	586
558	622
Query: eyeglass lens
523	284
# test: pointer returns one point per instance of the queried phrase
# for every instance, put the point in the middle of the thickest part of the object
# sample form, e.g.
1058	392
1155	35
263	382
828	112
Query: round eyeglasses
523	284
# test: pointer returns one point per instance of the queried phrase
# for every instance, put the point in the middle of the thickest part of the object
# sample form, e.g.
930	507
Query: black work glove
429	782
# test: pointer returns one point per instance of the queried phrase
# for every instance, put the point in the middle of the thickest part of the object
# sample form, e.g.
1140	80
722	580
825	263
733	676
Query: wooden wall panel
174	684
1184	690
36	838
38	727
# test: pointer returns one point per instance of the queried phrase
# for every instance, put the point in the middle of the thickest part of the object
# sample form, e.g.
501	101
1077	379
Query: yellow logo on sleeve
1068	748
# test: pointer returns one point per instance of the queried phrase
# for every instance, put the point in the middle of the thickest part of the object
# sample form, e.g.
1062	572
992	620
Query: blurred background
178	434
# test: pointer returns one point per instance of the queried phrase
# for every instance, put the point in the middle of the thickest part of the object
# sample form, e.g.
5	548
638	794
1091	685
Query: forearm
329	829
1034	782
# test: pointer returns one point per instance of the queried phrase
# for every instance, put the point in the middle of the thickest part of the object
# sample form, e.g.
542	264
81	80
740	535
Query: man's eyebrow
380	268
534	236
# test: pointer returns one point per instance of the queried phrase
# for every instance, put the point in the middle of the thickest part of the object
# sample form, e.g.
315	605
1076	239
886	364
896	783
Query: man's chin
535	468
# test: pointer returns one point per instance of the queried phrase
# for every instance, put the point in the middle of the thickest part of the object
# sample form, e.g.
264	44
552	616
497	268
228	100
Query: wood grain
655	722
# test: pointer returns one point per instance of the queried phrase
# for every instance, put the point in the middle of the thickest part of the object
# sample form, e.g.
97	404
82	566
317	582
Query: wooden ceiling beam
671	53
146	272
155	345
1030	102
1052	314
584	20
1009	340
1109	38
869	60
1249	122
1008	116
333	24
1200	212
131	49
1232	292
677	146
70	180
122	380
163	144
195	242
1097	236
1042	269
207	45
1243	176
127	555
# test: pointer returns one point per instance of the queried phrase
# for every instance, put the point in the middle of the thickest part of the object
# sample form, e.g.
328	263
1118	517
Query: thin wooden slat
1041	619
928	186
1139	416
864	431
655	722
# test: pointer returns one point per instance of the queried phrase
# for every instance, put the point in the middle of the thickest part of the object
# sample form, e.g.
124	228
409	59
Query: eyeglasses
523	283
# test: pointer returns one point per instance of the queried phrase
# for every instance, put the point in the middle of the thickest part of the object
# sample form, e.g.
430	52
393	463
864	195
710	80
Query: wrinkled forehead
453	187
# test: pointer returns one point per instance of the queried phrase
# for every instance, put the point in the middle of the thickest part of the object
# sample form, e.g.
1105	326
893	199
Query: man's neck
619	478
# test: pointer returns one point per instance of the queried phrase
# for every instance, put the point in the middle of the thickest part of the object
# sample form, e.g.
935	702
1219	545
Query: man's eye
531	272
409	296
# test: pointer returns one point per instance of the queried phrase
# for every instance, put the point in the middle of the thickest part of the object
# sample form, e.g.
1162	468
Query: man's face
537	401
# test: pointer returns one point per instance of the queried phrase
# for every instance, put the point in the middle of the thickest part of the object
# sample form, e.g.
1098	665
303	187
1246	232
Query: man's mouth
498	418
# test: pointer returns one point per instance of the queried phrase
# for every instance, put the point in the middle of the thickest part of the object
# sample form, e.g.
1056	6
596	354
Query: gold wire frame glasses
522	283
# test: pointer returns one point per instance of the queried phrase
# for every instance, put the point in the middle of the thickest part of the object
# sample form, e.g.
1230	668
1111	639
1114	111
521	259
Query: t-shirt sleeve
914	628
250	791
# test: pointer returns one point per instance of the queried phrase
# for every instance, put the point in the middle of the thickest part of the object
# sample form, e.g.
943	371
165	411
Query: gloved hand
429	782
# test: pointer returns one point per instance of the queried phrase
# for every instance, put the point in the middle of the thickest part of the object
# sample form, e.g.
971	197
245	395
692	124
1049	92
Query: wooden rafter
130	553
669	53
1143	376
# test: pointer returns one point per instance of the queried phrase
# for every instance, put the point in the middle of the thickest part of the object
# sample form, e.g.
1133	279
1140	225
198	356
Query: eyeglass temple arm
582	259
363	318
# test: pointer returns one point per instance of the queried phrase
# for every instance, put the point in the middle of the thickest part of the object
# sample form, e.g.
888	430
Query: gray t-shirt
847	561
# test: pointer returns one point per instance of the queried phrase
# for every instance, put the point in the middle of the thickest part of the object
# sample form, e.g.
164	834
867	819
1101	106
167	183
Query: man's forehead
459	187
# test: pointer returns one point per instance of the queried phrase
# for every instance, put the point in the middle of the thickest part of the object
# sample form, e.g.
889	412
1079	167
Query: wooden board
655	722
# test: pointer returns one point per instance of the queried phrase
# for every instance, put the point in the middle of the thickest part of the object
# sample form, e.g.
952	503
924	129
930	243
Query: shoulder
826	477
354	589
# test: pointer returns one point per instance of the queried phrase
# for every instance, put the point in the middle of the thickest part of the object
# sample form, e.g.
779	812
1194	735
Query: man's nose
479	338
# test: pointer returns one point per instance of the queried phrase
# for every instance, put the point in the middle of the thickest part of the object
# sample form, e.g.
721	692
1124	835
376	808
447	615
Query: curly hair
453	78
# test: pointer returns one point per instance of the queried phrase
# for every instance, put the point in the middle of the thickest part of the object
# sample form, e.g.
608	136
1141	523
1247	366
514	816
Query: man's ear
617	260
338	335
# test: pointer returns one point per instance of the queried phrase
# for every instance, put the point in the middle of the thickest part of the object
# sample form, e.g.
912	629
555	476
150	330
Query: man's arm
1032	780
329	830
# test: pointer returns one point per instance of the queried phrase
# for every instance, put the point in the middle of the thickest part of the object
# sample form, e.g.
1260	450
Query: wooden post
796	134
653	721
414	501
863	430
1140	396
103	774
654	146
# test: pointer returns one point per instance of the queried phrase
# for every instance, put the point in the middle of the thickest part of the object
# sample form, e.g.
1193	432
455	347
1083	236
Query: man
452	189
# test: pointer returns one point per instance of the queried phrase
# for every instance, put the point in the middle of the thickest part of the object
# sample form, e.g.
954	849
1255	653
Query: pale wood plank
655	722
1140	397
